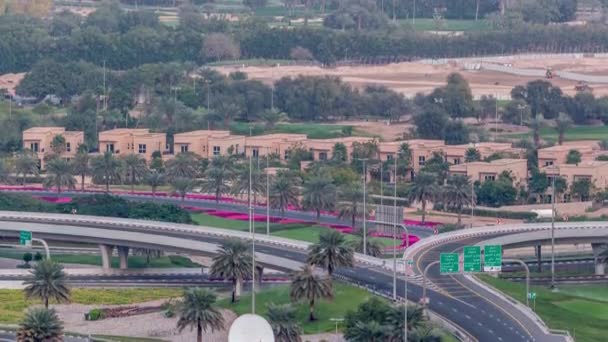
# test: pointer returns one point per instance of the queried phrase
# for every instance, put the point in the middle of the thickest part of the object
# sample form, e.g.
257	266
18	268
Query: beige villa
39	139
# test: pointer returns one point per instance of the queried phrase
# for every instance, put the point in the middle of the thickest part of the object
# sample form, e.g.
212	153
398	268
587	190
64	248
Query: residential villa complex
210	143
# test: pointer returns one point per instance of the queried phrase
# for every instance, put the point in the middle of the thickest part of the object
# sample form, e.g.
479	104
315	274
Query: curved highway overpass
480	311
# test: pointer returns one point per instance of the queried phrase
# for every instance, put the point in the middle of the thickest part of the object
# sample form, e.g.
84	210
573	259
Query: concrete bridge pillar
599	254
106	256
123	256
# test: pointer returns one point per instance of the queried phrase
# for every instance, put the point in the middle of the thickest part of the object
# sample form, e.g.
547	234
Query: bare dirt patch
10	81
410	78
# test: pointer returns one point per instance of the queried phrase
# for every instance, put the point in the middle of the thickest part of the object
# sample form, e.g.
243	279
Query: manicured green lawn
92	259
301	232
428	24
13	303
311	129
127	338
577	308
573	133
346	298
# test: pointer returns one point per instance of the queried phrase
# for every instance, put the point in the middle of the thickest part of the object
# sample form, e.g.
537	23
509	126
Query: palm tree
58	145
40	325
154	179
423	189
282	319
26	162
350	199
233	262
562	123
5	171
309	286
332	251
136	168
284	191
48	282
395	320
457	193
368	331
59	174
148	253
81	166
240	185
536	124
424	333
181	186
106	169
271	117
319	193
373	248
185	164
197	310
218	176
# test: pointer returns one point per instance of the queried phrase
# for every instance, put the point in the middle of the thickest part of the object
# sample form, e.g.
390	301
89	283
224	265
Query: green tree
438	166
81	166
350	199
135	167
536	123
197	309
185	164
282	319
154	179
339	153
373	247
272	117
368	331
284	191
496	193
561	186
240	185
232	262
456	133
538	183
573	157
27	257
581	188
332	251
40	325
307	285
58	145
404	160
431	123
423	189
59	174
319	193
562	123
457	193
181	186
148	253
26	163
48	282
106	169
472	155
218	177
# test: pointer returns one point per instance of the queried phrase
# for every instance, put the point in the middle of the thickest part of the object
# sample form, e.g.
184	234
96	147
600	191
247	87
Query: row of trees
129	39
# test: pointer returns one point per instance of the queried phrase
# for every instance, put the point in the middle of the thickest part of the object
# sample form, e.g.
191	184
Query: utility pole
496	118
267	195
472	201
395	236
553	233
364	206
252	231
208	94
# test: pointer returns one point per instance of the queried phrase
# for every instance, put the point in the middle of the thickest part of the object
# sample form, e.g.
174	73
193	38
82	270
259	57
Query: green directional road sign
472	259
531	295
448	263
25	238
492	258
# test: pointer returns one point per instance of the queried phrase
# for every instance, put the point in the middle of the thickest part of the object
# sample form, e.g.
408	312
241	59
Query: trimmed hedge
516	215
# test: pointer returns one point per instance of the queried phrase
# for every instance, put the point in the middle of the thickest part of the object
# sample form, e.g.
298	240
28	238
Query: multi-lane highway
483	314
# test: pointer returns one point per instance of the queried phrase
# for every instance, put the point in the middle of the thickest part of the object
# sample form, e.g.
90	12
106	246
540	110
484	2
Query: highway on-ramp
484	316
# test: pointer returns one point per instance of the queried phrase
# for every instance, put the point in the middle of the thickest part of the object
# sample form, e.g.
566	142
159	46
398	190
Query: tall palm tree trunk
132	182
46	302
423	210
311	316
199	331
459	215
318	215
82	182
234	285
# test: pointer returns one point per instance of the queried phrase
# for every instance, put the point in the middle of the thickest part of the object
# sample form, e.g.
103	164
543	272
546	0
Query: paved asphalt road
236	207
483	315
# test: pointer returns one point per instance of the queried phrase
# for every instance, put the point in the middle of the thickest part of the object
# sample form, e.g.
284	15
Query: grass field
580	309
13	303
95	260
573	133
346	298
295	231
312	130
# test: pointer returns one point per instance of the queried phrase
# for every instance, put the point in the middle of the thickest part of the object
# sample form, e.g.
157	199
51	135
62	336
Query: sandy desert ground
410	78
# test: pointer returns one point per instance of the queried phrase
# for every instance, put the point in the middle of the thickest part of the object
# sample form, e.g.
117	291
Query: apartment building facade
488	171
196	142
322	149
456	154
39	140
557	155
124	141
279	144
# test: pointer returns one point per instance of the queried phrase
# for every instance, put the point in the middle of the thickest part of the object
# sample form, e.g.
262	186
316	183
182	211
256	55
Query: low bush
94	315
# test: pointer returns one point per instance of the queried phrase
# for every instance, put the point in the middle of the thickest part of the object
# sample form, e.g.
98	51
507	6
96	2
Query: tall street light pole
553	234
267	194
407	244
364	206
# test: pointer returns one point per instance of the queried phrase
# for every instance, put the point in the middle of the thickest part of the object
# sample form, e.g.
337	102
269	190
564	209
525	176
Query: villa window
322	155
110	148
141	148
184	148
421	160
216	150
255	152
34	147
68	147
